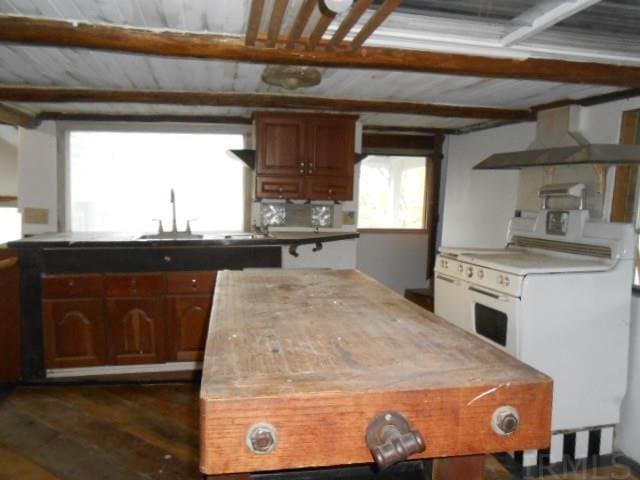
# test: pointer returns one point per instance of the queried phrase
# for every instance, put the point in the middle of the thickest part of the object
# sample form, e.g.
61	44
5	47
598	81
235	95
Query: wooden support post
456	468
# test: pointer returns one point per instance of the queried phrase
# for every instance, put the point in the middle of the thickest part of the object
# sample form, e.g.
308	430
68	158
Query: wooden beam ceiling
300	22
17	118
144	118
33	31
348	22
275	22
253	27
325	20
255	100
374	22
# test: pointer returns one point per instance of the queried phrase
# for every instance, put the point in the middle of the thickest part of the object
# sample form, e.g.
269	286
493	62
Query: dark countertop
128	239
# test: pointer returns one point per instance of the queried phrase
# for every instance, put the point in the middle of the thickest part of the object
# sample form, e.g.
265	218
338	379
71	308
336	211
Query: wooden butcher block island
301	365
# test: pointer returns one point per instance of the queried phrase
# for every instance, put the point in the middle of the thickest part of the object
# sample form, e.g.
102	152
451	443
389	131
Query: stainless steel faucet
174	225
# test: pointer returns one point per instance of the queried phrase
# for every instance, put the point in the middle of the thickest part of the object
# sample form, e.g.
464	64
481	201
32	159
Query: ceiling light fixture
337	6
291	77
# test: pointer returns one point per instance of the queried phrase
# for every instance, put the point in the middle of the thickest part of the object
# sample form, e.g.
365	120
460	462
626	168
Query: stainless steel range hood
560	140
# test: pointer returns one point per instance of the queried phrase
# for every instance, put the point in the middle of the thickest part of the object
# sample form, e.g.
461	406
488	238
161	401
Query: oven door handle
447	279
488	294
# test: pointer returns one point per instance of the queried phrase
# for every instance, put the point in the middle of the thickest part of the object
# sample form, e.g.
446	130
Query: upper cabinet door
280	145
331	142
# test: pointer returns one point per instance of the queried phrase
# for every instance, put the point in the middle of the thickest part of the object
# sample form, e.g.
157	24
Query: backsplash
281	214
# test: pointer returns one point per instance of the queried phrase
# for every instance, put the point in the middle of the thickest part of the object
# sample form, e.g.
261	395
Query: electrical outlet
33	215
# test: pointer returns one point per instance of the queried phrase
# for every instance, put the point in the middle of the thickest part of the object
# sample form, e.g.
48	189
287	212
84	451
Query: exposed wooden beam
539	18
384	142
374	22
275	22
33	31
300	22
407	130
348	22
261	100
253	26
590	101
324	21
143	118
17	118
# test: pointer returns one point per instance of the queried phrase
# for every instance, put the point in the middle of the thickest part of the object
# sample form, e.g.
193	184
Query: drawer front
279	187
135	285
329	188
190	282
72	286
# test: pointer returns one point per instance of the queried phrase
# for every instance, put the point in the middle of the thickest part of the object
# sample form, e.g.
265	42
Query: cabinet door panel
329	188
279	187
74	333
188	323
136	330
280	145
331	146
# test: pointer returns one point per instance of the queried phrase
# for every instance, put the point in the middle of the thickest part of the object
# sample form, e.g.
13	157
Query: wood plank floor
131	432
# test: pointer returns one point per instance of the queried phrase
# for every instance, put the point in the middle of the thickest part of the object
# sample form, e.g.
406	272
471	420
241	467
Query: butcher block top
317	354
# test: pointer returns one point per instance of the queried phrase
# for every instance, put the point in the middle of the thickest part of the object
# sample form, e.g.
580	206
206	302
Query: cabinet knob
302	164
302	170
194	282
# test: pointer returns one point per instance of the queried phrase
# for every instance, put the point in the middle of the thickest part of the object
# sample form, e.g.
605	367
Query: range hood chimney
560	140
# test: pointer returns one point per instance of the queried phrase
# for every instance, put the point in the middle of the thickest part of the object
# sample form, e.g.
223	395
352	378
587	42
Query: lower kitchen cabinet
136	330
188	323
74	333
125	319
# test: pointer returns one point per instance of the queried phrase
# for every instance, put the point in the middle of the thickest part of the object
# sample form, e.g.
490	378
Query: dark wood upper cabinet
331	143
281	147
298	152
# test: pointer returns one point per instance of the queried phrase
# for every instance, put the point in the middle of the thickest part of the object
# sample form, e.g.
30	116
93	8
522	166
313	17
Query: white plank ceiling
456	25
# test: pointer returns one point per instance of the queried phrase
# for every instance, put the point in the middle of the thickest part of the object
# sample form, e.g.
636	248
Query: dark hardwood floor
136	432
100	432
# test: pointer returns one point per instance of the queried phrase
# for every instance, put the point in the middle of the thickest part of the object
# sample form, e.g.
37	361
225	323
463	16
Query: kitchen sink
170	236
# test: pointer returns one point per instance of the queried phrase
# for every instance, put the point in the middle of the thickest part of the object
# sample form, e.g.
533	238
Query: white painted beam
543	18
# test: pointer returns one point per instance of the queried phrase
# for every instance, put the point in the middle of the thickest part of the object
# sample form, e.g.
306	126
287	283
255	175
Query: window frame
64	129
403	145
425	200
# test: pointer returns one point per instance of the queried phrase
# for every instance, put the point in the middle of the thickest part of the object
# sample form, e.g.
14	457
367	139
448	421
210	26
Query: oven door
450	301
494	317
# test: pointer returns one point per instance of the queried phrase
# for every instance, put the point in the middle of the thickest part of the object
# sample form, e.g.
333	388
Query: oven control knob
500	279
469	272
506	281
480	274
460	268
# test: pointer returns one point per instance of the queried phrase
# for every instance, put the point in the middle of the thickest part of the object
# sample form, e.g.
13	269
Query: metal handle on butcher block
391	440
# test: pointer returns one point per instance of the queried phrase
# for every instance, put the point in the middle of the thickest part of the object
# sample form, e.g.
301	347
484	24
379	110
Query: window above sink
118	181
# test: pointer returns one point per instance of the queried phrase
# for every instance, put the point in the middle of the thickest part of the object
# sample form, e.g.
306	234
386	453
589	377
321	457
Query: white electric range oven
557	297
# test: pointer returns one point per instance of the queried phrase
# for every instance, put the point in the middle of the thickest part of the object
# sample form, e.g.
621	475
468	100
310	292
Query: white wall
8	165
398	260
37	174
479	203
